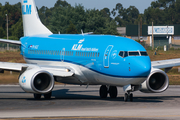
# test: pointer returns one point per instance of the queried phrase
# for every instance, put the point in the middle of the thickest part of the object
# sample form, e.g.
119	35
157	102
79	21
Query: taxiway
77	101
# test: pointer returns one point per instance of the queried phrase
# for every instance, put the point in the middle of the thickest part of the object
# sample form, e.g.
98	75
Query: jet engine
156	82
36	81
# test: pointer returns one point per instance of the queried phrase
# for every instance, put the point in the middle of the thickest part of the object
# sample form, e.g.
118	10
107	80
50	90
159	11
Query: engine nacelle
37	81
156	82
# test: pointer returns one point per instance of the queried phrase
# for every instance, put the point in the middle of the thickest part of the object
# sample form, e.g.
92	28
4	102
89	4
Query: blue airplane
83	59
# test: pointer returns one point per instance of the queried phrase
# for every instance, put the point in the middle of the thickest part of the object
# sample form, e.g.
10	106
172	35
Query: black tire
113	91
125	97
37	96
48	96
131	97
103	91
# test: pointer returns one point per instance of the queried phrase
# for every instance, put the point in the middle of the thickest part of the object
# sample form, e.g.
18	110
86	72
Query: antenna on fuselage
86	33
59	32
82	32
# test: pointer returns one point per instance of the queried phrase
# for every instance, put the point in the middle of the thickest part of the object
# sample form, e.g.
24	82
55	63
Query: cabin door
106	56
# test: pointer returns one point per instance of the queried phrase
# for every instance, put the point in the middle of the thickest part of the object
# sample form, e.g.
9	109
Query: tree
61	3
125	16
105	12
17	29
2	32
71	29
162	12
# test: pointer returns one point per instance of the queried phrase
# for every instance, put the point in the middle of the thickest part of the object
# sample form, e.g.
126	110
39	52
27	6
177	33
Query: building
122	31
163	34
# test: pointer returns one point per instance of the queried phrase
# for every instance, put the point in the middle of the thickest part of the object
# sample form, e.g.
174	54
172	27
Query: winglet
31	22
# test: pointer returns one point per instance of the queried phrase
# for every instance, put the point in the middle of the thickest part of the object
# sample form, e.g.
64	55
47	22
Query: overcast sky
90	4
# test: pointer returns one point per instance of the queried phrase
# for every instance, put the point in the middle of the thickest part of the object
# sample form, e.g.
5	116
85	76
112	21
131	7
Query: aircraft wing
11	41
166	63
56	71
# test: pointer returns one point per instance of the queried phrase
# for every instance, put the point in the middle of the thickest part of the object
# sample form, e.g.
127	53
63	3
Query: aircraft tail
31	23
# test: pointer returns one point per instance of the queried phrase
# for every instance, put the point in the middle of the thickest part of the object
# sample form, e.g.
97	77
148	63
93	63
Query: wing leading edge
56	71
166	63
11	41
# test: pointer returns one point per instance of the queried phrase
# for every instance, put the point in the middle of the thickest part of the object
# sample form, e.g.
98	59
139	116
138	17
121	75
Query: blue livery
99	53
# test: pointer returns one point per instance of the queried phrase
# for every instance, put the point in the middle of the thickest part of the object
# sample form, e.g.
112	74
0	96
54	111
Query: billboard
161	30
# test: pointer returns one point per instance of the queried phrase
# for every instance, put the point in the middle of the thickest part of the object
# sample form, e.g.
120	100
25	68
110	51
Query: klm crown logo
26	9
24	80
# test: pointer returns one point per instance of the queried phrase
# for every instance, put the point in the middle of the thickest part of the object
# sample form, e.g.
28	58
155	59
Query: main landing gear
112	91
46	96
104	90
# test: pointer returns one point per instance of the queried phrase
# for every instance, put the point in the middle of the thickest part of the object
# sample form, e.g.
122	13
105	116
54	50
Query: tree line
68	19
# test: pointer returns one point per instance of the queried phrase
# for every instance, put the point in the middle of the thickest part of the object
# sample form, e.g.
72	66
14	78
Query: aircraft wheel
125	97
103	91
113	91
48	96
37	96
131	97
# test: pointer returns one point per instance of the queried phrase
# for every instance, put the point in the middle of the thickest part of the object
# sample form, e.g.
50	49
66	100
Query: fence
3	47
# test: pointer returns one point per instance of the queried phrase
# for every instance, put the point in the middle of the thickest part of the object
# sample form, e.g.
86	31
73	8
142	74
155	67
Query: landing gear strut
128	96
104	91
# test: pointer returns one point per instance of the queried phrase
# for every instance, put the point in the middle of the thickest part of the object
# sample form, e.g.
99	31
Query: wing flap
166	63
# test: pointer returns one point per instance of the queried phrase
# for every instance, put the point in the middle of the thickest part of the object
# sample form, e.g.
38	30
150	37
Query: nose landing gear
128	96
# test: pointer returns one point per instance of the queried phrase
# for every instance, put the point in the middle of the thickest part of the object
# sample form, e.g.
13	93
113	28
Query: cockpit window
144	53
121	53
134	53
125	54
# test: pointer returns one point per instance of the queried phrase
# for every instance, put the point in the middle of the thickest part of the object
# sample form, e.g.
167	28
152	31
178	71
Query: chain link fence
3	47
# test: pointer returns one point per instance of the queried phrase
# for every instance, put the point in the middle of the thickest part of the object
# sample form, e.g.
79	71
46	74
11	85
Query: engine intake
156	82
36	81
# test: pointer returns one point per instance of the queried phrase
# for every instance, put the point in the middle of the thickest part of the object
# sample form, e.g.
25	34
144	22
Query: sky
141	5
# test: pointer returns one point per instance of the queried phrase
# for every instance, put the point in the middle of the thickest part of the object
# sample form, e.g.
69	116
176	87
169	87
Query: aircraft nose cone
141	67
144	68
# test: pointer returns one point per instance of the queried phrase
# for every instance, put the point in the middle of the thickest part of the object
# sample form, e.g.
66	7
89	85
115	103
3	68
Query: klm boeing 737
82	59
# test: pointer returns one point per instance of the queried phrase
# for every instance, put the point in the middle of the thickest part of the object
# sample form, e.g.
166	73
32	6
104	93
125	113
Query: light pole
152	37
7	31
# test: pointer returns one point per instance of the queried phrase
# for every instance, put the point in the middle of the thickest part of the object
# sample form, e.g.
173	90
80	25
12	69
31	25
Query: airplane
83	59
